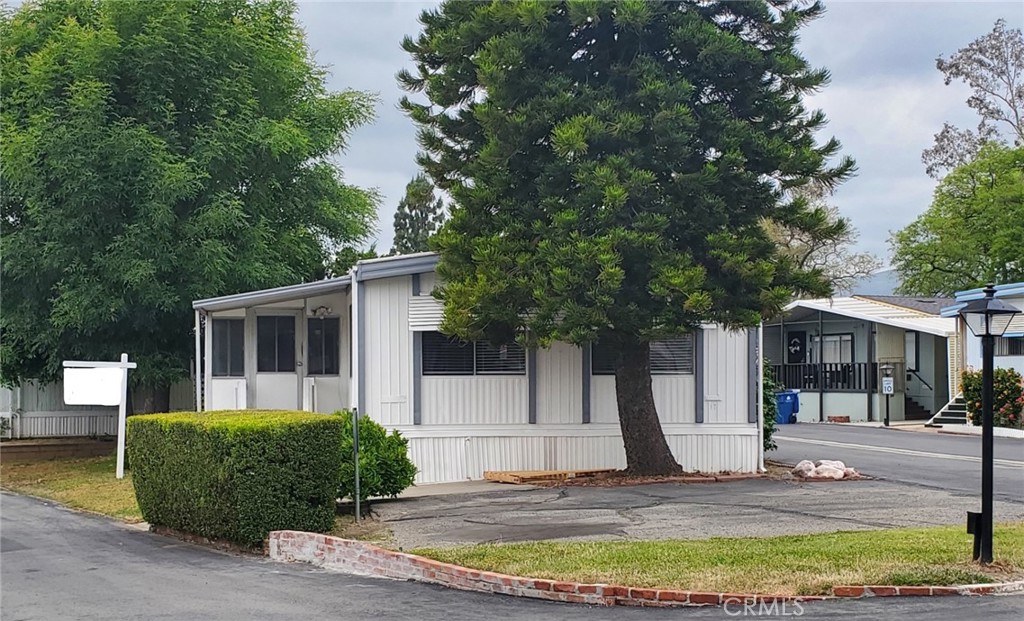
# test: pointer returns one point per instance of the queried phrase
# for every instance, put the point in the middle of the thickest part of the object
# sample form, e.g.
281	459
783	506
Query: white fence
38	411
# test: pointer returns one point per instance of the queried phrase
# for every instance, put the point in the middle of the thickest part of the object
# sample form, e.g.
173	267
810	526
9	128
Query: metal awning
271	296
878	312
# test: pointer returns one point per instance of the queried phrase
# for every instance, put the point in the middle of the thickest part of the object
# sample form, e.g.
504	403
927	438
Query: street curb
364	559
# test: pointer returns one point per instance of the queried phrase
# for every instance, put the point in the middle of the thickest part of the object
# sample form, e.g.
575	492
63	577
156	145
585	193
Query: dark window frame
278	367
478	362
601	363
813	350
1009	346
321	368
234	325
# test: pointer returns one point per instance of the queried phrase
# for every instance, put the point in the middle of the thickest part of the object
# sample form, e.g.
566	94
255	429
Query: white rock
804	469
850	473
832	463
828	472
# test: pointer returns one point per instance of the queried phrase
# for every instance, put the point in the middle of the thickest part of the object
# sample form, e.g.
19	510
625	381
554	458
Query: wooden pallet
534	476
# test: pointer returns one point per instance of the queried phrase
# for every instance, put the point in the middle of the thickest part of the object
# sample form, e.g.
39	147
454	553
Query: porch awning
863	309
270	296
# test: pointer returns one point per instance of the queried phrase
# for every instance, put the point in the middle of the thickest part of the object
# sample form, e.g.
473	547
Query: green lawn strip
791	565
87	483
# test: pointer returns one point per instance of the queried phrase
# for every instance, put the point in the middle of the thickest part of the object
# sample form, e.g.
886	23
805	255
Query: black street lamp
987	318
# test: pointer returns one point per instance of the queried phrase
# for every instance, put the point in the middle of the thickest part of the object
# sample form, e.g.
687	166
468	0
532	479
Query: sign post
100	383
888	389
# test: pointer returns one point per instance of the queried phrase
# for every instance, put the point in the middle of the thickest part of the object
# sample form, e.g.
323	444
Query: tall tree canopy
154	153
611	165
420	213
973	231
824	241
993	67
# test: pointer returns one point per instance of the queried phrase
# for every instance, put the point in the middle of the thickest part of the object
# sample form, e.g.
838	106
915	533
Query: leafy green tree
348	256
971	235
611	165
154	153
420	213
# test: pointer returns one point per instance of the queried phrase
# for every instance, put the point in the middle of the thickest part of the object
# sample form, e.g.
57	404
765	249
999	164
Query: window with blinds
500	360
672	356
1008	346
442	355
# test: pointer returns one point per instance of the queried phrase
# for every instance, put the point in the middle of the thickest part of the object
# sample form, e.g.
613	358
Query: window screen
672	356
322	335
275	344
228	347
1009	346
500	360
446	356
835	348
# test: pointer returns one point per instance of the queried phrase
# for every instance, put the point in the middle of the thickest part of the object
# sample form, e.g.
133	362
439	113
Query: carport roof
863	309
270	296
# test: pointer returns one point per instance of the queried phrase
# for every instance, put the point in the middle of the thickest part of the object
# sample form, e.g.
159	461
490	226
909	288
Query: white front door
278	361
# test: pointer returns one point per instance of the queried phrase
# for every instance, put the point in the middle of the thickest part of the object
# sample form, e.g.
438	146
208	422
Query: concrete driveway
675	511
58	564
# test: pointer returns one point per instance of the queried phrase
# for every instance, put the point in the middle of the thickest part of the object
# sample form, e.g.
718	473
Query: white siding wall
228	393
387	346
674	396
43	413
725	375
474	400
560	384
463	453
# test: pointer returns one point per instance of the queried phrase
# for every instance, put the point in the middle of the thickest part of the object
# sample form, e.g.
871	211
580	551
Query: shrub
771	409
385	469
236	475
1007	397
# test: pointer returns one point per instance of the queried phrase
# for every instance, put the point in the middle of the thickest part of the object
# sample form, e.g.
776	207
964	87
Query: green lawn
87	484
793	565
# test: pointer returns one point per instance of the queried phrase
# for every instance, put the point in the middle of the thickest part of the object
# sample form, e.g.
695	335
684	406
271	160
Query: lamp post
987	318
888	386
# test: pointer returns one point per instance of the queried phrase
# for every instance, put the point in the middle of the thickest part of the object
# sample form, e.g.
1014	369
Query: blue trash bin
787	403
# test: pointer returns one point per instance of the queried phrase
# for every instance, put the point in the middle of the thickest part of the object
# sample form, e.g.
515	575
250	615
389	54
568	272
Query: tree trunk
647	451
151	399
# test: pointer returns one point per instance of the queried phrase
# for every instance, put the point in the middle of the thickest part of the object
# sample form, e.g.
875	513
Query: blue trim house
1009	352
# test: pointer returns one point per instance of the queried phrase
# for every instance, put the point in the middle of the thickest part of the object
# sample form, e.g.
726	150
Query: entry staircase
953	413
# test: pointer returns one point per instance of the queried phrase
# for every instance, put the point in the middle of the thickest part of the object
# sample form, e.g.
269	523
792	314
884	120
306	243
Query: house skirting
446	454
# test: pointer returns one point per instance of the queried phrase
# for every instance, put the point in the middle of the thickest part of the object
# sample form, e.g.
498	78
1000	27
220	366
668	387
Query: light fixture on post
888	386
321	311
987	318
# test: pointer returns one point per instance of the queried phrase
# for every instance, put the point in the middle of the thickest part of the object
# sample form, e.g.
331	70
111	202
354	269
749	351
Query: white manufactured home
370	340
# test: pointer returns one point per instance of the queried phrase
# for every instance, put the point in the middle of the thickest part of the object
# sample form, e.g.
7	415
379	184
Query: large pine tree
420	213
611	165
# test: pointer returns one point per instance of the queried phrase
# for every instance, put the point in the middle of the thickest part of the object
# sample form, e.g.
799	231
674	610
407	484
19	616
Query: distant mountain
883	282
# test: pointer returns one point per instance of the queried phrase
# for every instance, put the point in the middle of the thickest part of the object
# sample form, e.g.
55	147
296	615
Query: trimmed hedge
385	469
236	475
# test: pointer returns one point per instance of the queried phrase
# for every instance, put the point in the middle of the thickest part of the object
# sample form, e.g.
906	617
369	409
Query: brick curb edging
364	559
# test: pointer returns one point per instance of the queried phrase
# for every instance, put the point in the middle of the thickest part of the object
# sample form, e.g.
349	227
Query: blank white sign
101	386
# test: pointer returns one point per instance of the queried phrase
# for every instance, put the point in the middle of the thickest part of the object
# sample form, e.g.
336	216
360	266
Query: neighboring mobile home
370	340
832	350
1009	348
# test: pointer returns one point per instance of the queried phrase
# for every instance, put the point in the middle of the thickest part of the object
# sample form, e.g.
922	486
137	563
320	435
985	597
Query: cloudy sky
885	103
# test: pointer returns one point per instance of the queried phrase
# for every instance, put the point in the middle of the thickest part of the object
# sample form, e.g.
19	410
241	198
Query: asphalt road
924	459
59	564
